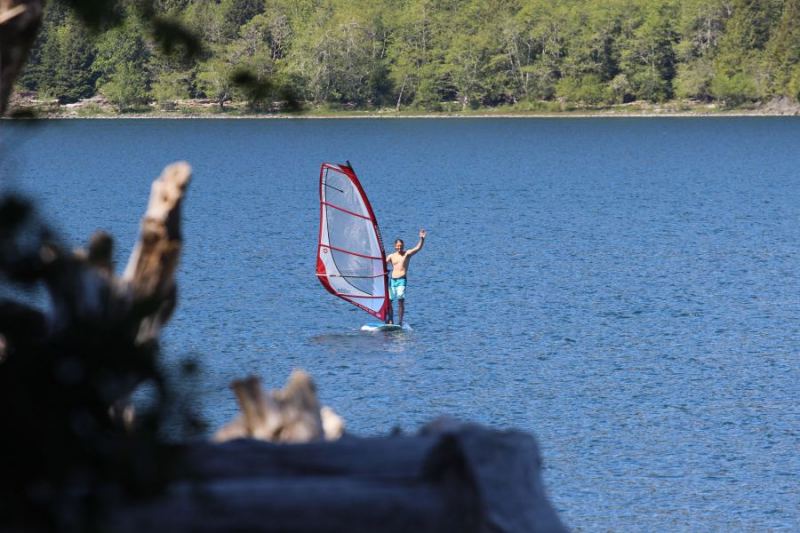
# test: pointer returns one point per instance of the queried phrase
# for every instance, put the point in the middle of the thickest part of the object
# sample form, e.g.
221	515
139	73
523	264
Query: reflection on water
366	342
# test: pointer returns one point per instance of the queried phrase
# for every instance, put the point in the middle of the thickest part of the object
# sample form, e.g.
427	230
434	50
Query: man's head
399	245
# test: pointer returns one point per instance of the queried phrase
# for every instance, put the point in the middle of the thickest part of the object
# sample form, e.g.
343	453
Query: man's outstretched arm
420	244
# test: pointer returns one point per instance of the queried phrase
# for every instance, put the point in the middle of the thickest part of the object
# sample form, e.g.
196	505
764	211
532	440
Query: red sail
350	258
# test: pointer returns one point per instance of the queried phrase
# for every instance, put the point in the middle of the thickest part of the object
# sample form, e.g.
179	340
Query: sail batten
350	255
328	204
348	252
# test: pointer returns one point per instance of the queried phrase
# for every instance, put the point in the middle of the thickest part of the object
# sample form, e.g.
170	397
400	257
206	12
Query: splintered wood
292	414
150	274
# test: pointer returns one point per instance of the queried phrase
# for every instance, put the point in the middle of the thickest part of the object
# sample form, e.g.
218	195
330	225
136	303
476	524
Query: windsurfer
397	279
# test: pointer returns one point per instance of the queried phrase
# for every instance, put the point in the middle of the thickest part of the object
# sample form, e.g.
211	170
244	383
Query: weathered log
150	274
19	22
465	479
289	415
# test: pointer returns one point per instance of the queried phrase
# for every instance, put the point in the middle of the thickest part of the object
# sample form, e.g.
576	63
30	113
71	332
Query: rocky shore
27	105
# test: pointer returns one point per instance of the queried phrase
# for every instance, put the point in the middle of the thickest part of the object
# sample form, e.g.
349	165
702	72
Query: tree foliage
422	54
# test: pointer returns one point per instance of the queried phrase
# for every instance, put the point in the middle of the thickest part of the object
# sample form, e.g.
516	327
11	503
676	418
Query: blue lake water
627	290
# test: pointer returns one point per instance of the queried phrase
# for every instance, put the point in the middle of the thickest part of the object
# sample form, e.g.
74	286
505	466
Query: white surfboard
380	326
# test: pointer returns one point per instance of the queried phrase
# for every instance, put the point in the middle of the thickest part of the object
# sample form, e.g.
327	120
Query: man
397	279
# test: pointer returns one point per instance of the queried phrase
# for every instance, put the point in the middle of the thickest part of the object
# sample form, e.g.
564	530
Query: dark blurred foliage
97	13
70	449
173	38
66	452
259	91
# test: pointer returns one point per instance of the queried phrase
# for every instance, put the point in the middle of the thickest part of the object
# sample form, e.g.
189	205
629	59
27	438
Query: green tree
702	23
126	87
413	69
547	33
215	77
648	57
340	55
783	50
793	86
588	89
124	48
207	18
170	87
66	58
734	90
466	54
740	63
593	48
237	13
694	79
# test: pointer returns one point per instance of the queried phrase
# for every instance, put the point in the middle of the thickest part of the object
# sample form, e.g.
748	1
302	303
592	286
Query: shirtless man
397	280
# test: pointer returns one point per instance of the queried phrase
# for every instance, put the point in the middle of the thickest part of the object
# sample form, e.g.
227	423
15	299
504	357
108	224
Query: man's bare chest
398	259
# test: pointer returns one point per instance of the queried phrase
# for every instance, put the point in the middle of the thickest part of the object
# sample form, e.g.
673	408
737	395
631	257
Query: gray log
467	479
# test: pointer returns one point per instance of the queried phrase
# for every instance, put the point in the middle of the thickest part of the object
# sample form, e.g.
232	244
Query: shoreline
380	116
97	108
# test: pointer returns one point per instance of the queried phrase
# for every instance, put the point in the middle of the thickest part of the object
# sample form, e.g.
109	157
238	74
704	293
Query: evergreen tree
740	67
126	87
124	47
702	26
648	56
783	52
66	56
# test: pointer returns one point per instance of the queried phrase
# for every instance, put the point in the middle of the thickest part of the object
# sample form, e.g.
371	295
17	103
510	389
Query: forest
420	55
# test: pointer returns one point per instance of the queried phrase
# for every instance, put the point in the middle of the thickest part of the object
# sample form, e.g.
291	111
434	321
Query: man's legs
392	295
400	294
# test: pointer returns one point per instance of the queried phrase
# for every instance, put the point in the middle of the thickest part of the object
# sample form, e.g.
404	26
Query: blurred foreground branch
62	371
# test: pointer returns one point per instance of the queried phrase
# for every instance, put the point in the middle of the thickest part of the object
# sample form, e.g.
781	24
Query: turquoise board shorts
397	288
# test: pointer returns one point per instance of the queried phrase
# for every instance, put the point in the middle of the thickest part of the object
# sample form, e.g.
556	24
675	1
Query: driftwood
150	274
86	290
19	22
463	479
289	415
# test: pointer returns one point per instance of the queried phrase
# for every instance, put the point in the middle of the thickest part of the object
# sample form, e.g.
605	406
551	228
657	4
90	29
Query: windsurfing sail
350	259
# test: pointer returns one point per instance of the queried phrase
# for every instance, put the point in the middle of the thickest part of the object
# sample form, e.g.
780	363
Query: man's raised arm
420	244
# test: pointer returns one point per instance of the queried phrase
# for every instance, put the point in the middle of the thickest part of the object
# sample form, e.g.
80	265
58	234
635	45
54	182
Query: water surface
624	289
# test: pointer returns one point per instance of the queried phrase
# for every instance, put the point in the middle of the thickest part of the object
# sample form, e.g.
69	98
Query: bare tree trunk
400	97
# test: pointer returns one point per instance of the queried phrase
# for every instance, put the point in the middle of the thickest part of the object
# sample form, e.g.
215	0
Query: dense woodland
425	55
